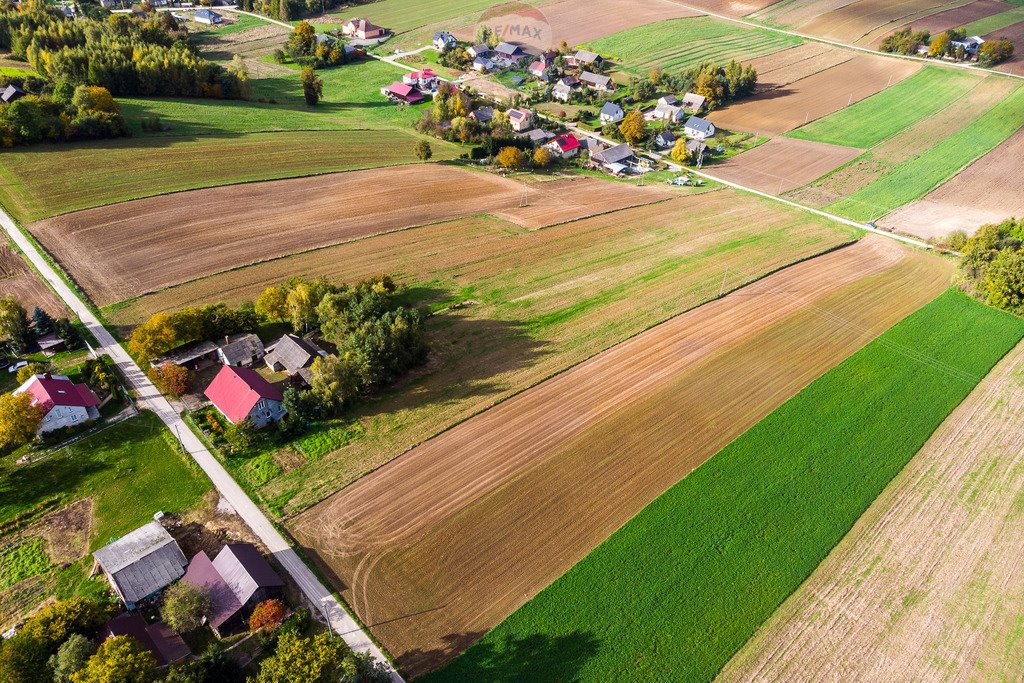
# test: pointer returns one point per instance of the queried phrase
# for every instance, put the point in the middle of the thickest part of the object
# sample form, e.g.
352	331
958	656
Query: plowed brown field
784	67
863	21
783	109
437	547
782	164
952	18
20	281
123	250
928	584
730	8
987	191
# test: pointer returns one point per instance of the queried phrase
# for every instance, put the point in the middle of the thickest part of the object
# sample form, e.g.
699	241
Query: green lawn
678	44
918	176
995	22
870	121
677	590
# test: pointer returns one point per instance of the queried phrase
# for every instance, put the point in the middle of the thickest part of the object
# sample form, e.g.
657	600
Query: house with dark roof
698	128
585	58
141	563
611	113
294	355
615	160
11	93
480	50
509	53
597	81
244	349
537	136
444	40
665	139
482	115
208	16
64	403
237	579
242	394
569	81
159	638
50	343
483	64
402	93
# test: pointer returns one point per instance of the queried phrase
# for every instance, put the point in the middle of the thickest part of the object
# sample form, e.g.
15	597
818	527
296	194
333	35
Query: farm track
438	546
924	587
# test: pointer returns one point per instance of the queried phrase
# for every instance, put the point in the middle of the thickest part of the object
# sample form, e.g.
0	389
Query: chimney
227	340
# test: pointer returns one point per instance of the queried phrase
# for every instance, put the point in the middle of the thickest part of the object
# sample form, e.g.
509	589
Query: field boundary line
858	48
312	588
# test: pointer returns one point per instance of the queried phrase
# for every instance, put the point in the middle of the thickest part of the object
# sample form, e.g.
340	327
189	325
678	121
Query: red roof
537	66
426	73
567	142
405	91
236	391
48	391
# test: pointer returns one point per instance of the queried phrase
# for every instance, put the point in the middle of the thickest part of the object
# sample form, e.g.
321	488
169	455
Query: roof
669	110
142	561
324	38
12	92
611	109
537	66
480	49
49	341
700	125
443	35
242	348
567	142
245	570
666	136
236	391
585	56
562	88
363	25
518	114
507	48
569	80
402	89
483	114
292	352
426	73
668	99
49	391
596	79
202	574
694	101
616	168
166	645
614	154
187	353
537	135
694	146
207	14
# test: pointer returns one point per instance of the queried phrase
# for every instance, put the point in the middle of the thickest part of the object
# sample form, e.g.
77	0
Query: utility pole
721	290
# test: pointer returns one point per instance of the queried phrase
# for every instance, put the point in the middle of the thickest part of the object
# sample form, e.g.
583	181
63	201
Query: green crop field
678	44
996	22
916	177
677	590
870	121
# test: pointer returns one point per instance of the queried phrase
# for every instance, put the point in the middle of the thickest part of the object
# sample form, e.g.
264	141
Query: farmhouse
479	51
242	394
402	93
611	113
294	355
698	128
209	17
509	53
971	45
64	403
665	139
616	160
160	639
597	82
565	146
561	92
141	563
521	119
426	80
237	580
482	115
694	103
444	40
362	29
11	93
537	69
584	58
241	350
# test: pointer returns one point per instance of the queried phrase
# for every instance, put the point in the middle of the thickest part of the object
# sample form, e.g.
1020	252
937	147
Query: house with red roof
362	29
65	404
242	393
425	80
403	93
565	146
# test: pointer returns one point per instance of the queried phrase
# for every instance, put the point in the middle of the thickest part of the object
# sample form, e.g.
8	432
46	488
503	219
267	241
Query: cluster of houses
144	562
413	88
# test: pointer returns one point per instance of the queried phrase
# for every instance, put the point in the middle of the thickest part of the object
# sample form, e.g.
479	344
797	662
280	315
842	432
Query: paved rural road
341	622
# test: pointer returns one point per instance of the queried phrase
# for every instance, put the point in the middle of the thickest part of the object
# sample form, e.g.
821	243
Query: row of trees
163	331
126	55
907	41
719	84
64	114
18	331
992	265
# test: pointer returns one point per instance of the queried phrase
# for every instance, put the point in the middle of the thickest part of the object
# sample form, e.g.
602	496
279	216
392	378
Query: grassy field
678	44
677	590
917	176
870	121
995	22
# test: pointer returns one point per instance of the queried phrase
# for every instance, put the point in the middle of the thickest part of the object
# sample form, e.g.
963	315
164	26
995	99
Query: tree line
62	113
907	41
992	264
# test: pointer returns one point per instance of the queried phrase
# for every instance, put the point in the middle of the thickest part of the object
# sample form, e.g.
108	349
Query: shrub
267	615
184	606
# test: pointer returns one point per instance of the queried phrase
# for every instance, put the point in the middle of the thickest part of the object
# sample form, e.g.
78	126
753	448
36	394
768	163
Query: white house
521	119
483	65
697	128
444	40
667	110
611	113
479	51
561	92
207	16
694	102
64	403
425	80
564	146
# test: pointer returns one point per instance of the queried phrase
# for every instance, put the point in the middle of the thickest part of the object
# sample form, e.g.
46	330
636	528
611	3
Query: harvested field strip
954	18
580	21
33	183
20	281
918	176
258	221
863	21
995	22
477	520
681	43
786	66
718	552
783	164
928	581
870	121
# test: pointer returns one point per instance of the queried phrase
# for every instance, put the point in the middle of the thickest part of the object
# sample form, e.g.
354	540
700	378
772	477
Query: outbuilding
141	563
208	17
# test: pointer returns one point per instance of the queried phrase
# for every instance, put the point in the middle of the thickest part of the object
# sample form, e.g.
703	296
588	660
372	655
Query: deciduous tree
184	606
14	324
423	151
312	86
120	659
267	615
303	660
171	379
272	304
153	337
541	157
633	127
511	158
19	420
71	657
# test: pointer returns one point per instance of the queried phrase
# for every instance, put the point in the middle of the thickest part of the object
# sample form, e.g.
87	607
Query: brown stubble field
785	66
952	18
21	282
123	250
782	164
580	21
928	583
859	22
784	108
440	545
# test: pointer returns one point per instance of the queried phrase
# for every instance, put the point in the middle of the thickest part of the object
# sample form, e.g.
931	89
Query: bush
71	657
171	379
184	606
267	615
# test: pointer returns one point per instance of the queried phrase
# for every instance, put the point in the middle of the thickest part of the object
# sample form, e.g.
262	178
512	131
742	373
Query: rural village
571	340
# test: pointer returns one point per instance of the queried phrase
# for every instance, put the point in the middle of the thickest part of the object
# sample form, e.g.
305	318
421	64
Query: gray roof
142	562
695	146
507	49
668	99
11	93
292	353
700	125
596	79
187	353
537	135
693	101
242	348
614	155
443	35
562	88
245	570
611	109
483	114
585	56
480	49
666	137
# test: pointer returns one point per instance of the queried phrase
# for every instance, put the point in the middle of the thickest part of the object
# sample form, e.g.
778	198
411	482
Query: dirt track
785	108
123	250
441	544
783	164
928	584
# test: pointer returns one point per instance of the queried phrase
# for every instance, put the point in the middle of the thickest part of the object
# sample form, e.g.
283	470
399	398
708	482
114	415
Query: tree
303	39
708	85
303	660
312	86
1004	281
634	127
541	157
939	46
334	380
995	51
423	151
66	330
184	606
94	98
302	307
71	657
54	623
14	326
240	436
23	660
272	304
152	338
511	158
679	152
120	659
957	240
33	368
42	321
19	420
171	379
267	615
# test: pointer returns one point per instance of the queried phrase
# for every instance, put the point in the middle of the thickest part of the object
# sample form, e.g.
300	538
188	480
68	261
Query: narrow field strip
676	591
868	122
916	177
996	22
